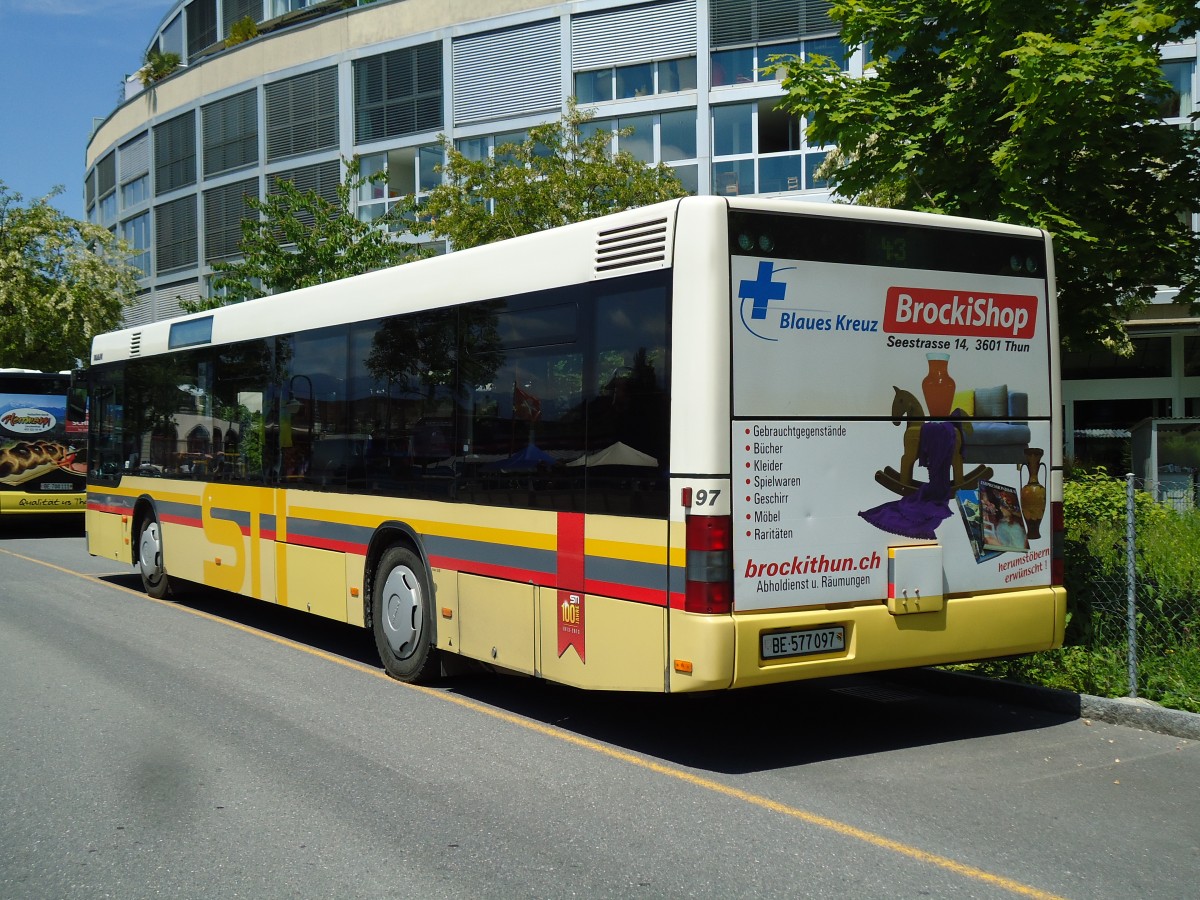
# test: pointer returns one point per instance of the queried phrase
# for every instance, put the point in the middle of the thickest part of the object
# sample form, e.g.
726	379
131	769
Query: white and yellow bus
701	445
42	445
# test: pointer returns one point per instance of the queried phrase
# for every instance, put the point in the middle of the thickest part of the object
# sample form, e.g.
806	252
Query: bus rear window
190	333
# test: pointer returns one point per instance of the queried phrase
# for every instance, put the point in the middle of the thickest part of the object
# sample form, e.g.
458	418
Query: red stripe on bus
181	520
508	573
649	596
327	544
105	508
570	552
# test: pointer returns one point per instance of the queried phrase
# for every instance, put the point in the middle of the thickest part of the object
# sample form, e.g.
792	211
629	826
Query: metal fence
1134	594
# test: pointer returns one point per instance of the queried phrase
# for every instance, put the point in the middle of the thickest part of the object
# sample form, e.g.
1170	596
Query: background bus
43	449
705	444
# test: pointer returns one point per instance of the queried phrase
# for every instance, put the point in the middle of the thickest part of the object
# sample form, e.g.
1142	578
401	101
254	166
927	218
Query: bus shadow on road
730	732
43	525
759	729
302	627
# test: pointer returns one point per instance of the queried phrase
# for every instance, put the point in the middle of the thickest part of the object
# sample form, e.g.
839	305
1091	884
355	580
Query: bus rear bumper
981	626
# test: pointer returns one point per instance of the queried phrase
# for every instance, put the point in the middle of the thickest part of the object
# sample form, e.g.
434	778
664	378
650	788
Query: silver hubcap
402	611
150	554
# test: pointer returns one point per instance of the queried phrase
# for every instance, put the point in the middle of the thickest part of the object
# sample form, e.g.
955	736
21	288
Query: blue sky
63	62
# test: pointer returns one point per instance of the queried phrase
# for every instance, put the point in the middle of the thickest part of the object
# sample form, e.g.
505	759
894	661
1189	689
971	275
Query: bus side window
628	416
77	399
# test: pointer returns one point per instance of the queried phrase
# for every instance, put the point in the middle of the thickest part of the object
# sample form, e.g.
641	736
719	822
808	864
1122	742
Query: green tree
557	175
300	238
61	282
1037	112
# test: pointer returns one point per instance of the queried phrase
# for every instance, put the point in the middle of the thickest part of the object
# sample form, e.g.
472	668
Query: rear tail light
1057	539
709	565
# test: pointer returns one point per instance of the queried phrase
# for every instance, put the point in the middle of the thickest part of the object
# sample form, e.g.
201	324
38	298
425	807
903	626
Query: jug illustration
1033	492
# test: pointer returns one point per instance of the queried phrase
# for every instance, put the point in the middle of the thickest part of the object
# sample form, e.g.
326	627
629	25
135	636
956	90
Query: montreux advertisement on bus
879	407
37	454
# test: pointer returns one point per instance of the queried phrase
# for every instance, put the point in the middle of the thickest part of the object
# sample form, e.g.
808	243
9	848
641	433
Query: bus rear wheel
402	616
150	558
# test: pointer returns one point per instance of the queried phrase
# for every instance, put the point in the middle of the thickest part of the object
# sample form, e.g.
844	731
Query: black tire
402	616
150	558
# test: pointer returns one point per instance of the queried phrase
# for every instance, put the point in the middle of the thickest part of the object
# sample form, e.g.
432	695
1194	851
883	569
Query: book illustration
968	506
1000	515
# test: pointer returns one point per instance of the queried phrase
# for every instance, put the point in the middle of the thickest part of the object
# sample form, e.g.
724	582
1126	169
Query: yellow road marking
842	828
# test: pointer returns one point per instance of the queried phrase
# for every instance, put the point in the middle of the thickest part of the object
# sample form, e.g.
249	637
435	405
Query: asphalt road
212	747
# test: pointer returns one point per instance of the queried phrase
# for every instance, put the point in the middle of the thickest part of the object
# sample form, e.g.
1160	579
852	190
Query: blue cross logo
762	291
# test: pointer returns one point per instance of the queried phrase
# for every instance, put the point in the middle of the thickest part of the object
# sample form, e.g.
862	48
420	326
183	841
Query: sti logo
759	292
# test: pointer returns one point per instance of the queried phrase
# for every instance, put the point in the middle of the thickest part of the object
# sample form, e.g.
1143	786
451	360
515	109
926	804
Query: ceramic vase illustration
938	386
1033	493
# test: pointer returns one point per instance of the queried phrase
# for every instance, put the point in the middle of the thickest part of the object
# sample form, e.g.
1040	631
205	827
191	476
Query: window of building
1151	358
133	170
734	22
668	137
639	143
106	188
175	239
201	26
677	133
1101	436
759	149
108	209
638	80
516	70
283	7
170	40
106	174
235	10
323	178
398	93
1191	356
230	133
676	75
635	81
301	114
175	154
744	65
224	209
1180	75
136	191
411	171
476	148
136	233
733	129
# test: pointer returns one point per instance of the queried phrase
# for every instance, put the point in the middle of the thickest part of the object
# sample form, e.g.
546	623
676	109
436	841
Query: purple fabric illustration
919	514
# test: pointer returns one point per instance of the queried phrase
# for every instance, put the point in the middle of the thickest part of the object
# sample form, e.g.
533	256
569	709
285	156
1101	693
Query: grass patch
1167	596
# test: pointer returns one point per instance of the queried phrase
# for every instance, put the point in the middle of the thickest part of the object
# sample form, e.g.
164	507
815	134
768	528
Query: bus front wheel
402	616
150	558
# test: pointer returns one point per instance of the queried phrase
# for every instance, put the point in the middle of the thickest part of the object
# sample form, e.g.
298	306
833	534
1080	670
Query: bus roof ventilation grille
135	344
631	246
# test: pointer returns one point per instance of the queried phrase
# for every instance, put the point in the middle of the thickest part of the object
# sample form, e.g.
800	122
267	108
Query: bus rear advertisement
706	444
42	449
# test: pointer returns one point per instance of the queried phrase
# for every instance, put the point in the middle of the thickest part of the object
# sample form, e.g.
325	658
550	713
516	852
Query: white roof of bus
559	256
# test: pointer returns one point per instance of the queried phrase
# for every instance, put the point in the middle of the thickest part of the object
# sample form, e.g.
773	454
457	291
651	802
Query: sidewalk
1133	712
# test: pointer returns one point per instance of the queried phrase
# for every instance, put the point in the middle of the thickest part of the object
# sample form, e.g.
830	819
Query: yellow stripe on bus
624	550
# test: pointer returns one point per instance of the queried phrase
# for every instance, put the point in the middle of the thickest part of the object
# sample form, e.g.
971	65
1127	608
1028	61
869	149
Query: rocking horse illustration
907	411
